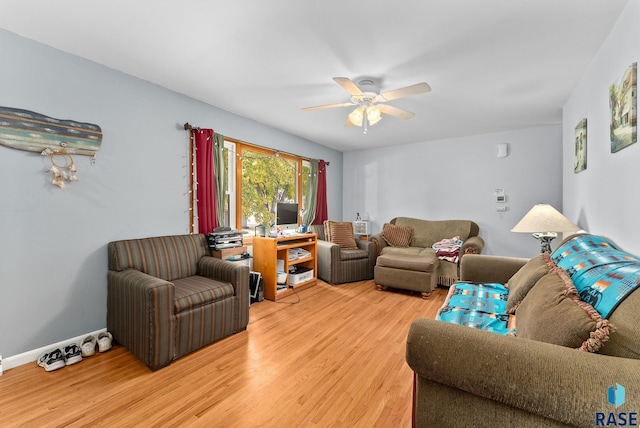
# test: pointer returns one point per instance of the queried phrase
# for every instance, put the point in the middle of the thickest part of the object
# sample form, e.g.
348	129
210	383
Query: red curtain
321	206
206	189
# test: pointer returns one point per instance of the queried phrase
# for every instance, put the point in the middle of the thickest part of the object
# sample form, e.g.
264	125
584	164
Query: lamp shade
544	218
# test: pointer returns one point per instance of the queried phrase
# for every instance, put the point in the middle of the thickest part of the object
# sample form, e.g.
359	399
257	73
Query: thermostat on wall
503	150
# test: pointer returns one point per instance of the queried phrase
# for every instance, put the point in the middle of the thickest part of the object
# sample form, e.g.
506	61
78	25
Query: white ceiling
493	65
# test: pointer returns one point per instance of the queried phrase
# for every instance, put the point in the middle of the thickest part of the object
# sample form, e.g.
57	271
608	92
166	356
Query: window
260	179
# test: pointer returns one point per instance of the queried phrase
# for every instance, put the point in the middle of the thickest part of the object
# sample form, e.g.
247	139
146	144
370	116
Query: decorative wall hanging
580	152
56	138
623	102
61	162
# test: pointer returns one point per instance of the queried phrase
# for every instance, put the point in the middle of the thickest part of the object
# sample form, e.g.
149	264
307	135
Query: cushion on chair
552	312
195	291
397	236
525	278
347	254
341	233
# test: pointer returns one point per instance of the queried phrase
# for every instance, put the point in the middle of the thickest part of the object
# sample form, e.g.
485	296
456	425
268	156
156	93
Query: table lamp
544	222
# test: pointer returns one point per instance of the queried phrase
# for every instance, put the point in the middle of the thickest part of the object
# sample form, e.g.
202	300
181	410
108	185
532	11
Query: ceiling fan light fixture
356	116
373	115
366	97
372	112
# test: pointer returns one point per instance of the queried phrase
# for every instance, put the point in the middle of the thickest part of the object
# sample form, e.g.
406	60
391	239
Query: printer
224	237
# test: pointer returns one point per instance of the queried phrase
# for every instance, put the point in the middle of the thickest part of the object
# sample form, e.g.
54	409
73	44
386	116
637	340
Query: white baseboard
31	356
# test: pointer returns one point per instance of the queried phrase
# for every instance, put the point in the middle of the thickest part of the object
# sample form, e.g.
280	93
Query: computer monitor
287	217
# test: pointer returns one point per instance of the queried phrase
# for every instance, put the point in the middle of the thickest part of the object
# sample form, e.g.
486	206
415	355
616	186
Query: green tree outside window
266	180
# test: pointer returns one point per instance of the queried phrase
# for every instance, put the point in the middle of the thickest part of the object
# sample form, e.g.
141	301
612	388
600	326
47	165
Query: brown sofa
167	297
469	377
415	267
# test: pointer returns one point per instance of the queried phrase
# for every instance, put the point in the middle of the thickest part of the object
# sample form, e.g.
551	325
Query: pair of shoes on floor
103	341
71	354
57	358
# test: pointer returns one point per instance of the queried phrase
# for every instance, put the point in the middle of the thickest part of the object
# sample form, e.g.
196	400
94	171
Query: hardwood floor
335	359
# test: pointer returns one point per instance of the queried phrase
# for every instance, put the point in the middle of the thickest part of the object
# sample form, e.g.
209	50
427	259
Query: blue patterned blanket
602	273
478	305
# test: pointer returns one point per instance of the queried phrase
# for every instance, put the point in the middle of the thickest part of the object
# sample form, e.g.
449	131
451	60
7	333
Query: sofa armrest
140	315
225	271
369	246
486	268
552	381
380	242
372	252
328	261
473	245
234	273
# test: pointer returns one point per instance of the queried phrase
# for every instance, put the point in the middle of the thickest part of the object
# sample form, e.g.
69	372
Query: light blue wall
456	179
53	258
603	199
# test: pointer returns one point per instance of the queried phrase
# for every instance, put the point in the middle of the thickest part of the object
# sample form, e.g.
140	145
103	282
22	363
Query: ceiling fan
370	103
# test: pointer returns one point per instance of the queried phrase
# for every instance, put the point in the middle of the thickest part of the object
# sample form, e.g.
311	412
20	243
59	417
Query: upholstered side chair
338	264
167	297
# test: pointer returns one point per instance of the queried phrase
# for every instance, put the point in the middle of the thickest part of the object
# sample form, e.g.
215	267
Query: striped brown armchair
337	265
167	297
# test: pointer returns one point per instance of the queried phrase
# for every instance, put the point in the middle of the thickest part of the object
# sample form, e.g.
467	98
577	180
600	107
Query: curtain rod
189	127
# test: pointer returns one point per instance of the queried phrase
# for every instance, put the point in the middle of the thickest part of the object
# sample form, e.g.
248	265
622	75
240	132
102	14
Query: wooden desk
267	252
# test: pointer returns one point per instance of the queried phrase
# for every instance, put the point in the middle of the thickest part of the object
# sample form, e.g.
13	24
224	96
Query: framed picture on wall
580	152
623	101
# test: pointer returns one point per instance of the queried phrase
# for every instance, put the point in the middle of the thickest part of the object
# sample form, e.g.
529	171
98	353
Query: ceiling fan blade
407	91
395	111
348	84
327	106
